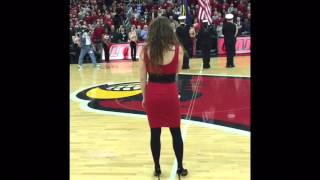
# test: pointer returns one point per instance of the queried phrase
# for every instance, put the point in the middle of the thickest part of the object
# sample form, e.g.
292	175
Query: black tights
156	145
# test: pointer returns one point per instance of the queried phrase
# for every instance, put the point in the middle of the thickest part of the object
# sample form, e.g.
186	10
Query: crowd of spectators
110	21
101	15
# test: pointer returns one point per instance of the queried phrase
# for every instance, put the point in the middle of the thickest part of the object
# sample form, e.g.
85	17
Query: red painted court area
209	99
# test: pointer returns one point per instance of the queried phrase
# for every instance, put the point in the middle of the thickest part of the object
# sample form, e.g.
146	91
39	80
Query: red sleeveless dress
161	98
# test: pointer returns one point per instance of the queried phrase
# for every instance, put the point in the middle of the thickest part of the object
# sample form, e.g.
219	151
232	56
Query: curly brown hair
161	38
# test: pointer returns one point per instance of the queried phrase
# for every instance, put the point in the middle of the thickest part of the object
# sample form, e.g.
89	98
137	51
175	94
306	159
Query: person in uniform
183	35
213	36
205	42
230	31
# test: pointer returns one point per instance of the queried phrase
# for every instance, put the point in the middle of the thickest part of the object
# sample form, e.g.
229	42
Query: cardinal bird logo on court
203	98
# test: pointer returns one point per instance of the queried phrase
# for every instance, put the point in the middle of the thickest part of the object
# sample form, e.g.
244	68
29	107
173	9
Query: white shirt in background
87	37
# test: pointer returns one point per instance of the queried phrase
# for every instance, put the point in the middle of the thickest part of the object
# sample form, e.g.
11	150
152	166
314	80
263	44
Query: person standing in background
86	48
238	24
192	33
144	33
183	35
133	38
97	39
219	29
213	37
245	30
114	35
77	45
123	36
106	45
205	43
230	31
138	30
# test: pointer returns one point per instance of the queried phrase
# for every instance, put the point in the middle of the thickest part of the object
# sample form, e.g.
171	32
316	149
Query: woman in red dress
161	60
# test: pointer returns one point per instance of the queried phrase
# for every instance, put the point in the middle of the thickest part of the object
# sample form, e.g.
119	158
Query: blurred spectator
192	1
239	24
154	14
231	8
87	18
217	21
176	12
114	36
223	13
196	25
71	34
98	31
241	7
76	44
213	4
74	19
240	14
77	27
169	12
100	15
93	17
123	36
81	14
108	13
142	22
106	45
108	3
100	4
166	4
176	24
97	38
236	3
213	36
107	20
192	33
215	16
138	30
135	21
147	16
245	30
133	38
219	29
117	20
144	33
224	7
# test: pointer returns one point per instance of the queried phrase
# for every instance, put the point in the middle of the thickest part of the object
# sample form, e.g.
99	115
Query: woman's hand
143	104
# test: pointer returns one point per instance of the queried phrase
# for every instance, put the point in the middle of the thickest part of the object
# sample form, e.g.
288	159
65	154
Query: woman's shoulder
179	46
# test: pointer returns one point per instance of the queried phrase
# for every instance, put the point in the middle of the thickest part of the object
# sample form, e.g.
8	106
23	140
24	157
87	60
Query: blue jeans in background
84	50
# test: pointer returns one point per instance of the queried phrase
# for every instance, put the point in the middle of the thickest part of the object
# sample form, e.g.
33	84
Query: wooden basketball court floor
116	146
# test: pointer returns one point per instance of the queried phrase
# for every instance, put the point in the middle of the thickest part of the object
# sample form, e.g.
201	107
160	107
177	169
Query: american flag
204	11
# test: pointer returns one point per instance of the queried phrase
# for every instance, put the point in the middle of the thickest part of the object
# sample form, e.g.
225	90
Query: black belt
163	78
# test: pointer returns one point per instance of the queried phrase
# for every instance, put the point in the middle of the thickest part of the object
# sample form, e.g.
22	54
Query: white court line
185	129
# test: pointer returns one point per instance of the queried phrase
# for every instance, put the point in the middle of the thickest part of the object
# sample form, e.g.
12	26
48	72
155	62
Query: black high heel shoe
157	172
182	172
